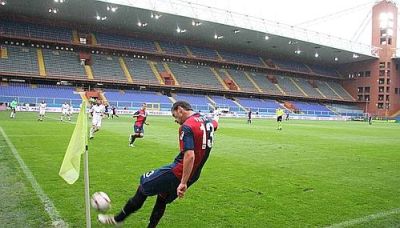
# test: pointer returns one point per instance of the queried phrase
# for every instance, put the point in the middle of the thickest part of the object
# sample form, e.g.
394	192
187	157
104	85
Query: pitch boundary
366	218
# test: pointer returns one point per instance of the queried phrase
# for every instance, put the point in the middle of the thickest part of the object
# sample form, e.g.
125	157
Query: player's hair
182	104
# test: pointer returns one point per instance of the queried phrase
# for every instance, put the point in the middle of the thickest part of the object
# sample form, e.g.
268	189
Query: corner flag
70	167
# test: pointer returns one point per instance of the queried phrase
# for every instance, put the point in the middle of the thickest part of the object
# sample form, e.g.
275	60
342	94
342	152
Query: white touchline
366	218
55	217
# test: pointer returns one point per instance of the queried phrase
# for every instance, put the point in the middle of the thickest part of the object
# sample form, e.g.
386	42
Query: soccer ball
100	201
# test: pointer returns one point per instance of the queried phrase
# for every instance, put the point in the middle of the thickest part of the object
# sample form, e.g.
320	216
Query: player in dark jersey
196	135
249	117
138	129
114	112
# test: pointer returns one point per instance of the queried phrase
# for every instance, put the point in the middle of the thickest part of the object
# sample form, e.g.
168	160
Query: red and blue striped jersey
197	133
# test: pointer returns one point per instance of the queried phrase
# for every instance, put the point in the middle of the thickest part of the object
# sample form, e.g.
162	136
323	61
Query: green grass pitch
310	174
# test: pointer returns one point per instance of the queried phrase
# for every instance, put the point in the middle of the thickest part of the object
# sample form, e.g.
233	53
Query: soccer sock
133	204
157	213
133	138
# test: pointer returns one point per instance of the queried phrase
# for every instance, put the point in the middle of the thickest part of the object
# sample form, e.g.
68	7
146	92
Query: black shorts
138	129
161	182
279	119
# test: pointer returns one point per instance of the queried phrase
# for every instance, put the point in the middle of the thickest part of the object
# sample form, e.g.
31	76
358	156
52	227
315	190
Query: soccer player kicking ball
97	110
138	128
169	182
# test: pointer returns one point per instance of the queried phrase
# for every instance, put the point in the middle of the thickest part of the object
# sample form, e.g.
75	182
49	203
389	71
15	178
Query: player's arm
188	158
136	114
188	161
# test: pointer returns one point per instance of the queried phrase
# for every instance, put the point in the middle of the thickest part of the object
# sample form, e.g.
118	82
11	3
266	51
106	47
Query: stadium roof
199	25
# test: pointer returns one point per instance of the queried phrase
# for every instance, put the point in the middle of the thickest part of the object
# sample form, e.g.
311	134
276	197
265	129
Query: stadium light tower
377	80
384	78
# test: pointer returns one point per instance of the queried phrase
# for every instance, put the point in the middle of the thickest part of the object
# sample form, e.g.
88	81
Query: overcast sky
348	15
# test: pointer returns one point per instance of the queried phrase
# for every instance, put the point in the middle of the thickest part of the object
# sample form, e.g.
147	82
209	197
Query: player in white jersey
42	110
98	111
70	111
65	111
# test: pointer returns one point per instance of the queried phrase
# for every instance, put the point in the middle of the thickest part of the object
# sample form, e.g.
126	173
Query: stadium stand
222	102
29	30
324	88
173	49
21	60
63	63
204	53
340	90
266	85
347	110
141	71
242	81
133	99
313	109
107	68
262	106
287	85
33	94
125	42
324	70
291	66
241	58
194	76
307	88
198	102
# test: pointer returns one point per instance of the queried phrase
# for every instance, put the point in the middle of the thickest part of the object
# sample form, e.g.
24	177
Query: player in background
169	182
279	115
138	128
64	111
287	115
369	118
98	111
42	110
114	112
107	111
249	117
70	111
13	106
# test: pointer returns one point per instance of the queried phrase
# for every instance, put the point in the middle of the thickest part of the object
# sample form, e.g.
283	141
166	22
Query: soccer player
169	182
42	110
114	112
65	111
249	117
138	129
13	107
97	110
69	112
279	115
107	111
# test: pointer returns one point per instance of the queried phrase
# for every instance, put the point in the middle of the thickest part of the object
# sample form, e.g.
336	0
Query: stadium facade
111	45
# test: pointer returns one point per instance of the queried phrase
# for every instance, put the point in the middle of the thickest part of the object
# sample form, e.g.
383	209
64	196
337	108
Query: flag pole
86	179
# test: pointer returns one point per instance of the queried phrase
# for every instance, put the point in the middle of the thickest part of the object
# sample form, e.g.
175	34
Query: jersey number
209	127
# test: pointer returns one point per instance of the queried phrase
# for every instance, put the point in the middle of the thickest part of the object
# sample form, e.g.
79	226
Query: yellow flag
70	167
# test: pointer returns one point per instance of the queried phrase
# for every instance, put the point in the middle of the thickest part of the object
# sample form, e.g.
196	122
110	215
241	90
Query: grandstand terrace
127	57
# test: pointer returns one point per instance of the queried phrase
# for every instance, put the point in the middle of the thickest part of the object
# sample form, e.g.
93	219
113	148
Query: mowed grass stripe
312	173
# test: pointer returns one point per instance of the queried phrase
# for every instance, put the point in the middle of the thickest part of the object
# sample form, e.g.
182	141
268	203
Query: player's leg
158	211
133	204
92	129
136	134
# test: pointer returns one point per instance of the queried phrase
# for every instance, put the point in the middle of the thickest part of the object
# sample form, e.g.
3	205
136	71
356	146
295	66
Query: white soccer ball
100	201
